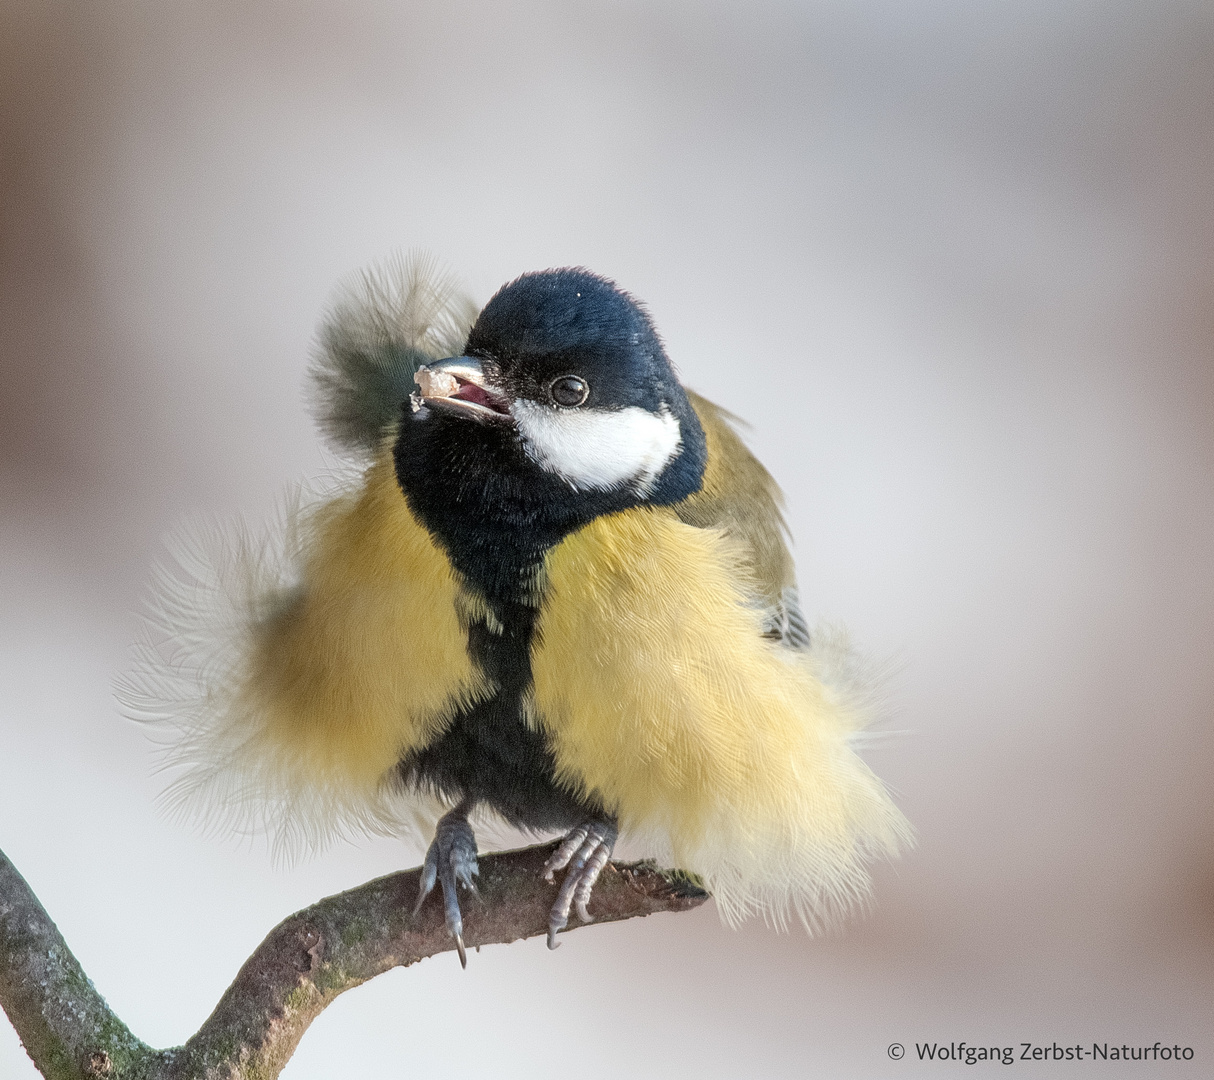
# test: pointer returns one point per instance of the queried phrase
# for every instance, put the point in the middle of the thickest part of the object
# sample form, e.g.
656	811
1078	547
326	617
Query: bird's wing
723	749
298	679
385	322
740	497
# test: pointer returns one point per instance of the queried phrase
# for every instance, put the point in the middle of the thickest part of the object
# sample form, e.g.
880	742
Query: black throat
494	511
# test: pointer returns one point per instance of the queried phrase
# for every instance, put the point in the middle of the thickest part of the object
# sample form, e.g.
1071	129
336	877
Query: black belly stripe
489	753
496	516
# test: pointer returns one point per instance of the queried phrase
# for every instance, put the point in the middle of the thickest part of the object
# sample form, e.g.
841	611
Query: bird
553	588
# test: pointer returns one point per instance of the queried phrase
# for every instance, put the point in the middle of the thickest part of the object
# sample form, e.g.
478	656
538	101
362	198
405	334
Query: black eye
569	391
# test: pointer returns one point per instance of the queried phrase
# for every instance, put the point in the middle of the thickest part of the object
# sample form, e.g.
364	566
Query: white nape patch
598	449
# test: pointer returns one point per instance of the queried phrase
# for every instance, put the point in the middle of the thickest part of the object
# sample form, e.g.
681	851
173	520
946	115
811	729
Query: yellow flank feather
722	749
370	658
326	669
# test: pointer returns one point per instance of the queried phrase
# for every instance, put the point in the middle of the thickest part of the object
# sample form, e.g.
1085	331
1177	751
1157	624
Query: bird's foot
585	850
451	861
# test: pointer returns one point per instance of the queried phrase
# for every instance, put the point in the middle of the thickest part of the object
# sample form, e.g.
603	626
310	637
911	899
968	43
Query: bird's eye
569	391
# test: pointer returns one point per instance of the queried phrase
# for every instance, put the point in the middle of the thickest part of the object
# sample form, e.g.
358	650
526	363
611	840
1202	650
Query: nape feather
384	323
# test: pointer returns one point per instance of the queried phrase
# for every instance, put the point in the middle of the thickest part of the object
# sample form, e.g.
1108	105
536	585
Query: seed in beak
435	384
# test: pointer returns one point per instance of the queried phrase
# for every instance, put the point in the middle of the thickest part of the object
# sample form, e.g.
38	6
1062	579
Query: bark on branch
305	962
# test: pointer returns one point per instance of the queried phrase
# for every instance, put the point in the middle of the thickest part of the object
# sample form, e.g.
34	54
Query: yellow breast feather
722	749
317	667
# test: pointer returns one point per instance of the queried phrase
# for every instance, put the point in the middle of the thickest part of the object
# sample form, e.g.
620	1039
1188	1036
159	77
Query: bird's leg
585	850
451	860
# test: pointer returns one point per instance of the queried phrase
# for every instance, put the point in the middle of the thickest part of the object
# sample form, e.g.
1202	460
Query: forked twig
303	964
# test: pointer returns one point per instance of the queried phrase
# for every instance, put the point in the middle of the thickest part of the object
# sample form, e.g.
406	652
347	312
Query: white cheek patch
597	449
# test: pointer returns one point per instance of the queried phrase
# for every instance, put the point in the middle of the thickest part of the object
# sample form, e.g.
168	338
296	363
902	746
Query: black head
545	325
564	406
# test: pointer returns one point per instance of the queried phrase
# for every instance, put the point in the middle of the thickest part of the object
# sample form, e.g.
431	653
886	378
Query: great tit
556	591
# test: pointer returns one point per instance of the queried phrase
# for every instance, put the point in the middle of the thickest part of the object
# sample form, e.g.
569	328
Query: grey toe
451	863
586	850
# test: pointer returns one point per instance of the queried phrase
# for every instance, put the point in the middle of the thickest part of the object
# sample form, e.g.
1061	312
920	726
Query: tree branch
305	962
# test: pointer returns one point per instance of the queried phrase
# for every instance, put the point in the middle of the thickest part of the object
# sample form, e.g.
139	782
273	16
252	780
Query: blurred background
954	261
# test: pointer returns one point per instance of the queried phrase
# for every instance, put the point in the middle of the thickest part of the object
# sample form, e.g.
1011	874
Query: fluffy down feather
289	675
724	750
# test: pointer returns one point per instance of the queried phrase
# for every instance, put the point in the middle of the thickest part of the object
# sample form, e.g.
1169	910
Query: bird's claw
451	862
585	850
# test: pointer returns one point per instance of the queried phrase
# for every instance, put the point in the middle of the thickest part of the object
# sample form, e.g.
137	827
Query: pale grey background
952	260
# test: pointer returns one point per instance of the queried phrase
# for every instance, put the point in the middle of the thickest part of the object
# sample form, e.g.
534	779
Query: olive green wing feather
740	497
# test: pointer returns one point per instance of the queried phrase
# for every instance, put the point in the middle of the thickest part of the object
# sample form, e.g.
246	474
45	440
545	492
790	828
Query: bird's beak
458	385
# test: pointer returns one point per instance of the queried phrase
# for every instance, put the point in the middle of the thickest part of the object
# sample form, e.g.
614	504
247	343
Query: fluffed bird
556	591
